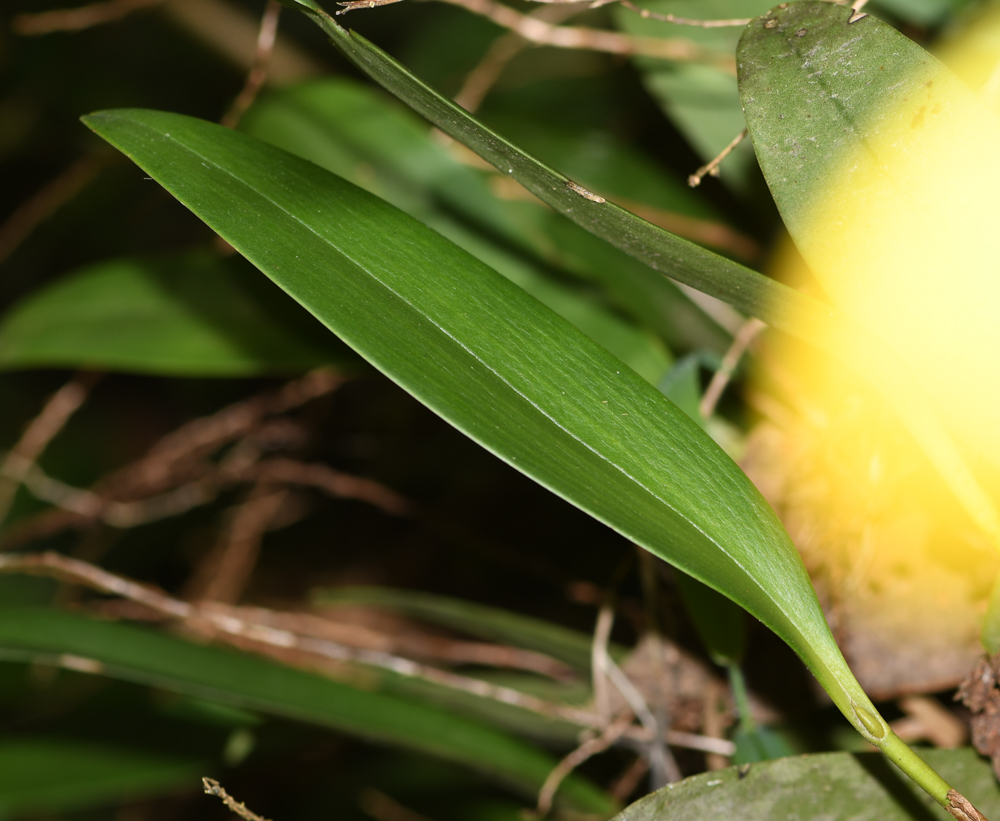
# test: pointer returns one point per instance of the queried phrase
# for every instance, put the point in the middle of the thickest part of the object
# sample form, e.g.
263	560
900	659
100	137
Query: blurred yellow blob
906	240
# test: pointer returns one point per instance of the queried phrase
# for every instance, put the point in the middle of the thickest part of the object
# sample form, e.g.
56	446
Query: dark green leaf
747	290
497	364
830	786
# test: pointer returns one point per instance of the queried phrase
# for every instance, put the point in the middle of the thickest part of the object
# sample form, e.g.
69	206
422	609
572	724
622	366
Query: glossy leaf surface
494	362
747	290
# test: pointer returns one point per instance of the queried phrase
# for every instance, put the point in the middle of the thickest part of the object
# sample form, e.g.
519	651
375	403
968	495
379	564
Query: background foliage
317	494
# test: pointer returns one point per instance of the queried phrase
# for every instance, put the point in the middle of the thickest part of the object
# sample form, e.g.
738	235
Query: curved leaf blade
747	290
781	307
496	364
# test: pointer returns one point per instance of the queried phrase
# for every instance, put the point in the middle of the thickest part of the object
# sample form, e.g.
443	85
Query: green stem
739	687
893	748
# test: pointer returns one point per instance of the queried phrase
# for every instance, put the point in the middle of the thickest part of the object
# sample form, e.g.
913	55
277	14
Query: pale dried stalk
504	49
588	749
257	75
736	22
741	342
599	658
712	168
19	462
547	34
93	14
604	669
213	787
227	624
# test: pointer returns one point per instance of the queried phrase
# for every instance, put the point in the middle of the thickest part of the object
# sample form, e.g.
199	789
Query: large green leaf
781	307
831	786
747	290
498	365
57	774
183	316
147	657
360	134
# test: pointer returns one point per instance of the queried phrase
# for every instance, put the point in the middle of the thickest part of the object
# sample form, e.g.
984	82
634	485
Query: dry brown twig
257	75
177	474
586	750
504	49
673	18
383	808
223	574
627	782
84	17
19	463
244	628
744	338
543	33
712	167
213	787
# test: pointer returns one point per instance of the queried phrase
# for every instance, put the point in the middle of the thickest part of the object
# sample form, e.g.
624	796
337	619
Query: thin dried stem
47	201
627	782
504	49
224	573
89	505
93	14
661	762
213	787
20	460
712	168
257	75
547	34
599	659
588	749
232	624
741	342
737	22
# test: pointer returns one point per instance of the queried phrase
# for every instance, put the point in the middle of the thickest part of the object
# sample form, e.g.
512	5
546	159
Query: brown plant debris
213	787
961	808
980	692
